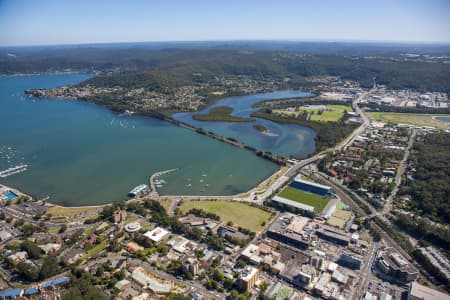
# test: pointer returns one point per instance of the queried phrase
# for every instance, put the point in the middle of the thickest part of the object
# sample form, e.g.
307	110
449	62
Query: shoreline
43	73
256	189
281	161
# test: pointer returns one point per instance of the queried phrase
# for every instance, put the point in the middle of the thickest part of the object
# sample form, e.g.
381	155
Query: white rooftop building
156	235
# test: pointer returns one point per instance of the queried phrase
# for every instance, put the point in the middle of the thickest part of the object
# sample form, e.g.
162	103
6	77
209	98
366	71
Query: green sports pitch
318	202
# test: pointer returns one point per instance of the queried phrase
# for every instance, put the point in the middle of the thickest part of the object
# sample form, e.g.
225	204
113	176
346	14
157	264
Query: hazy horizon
47	22
374	42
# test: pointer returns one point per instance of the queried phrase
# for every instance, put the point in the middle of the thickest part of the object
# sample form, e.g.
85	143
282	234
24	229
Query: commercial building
334	235
16	258
248	278
5	235
181	244
312	187
420	292
289	229
350	261
395	267
251	254
156	286
122	285
119	216
157	234
191	264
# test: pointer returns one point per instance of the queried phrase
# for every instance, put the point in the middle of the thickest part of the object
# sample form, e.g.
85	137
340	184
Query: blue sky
32	22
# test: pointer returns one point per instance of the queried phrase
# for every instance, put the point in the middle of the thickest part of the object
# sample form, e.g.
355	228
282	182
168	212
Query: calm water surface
79	153
286	139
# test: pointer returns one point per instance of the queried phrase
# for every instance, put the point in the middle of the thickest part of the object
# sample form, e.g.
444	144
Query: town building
191	264
289	229
16	258
420	292
156	286
248	278
392	266
350	261
157	235
119	216
122	285
334	235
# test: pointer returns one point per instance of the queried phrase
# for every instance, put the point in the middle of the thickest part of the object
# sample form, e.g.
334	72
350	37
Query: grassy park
240	214
62	212
221	114
410	118
333	113
297	195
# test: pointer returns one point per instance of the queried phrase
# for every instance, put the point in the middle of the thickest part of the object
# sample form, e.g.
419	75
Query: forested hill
181	64
430	190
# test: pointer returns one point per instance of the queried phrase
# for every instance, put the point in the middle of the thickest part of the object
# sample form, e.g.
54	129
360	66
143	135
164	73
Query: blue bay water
82	154
286	140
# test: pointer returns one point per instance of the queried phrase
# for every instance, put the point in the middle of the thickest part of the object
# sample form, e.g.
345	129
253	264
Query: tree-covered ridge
430	190
137	67
422	76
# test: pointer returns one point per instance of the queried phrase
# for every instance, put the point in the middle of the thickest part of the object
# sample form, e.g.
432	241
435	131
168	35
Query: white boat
138	190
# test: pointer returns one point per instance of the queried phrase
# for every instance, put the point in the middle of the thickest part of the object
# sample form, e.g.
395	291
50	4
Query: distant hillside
175	64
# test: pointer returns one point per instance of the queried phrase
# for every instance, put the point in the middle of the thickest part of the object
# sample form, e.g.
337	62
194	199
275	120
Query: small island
221	114
260	127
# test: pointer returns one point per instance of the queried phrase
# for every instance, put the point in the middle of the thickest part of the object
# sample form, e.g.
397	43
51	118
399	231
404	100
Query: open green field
333	113
297	195
410	118
240	214
219	114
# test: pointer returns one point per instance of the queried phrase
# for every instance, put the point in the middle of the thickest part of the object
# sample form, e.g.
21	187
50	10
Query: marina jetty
13	170
152	179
